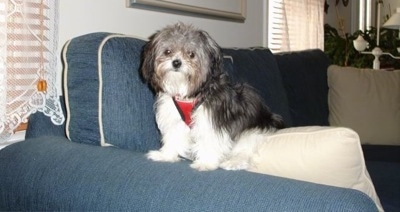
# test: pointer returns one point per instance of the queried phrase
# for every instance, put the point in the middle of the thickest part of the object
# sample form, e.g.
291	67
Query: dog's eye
191	54
167	52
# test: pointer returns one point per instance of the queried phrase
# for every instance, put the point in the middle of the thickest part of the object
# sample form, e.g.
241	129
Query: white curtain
28	43
295	25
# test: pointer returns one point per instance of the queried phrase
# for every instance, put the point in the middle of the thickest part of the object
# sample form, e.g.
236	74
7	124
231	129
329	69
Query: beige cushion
324	155
367	101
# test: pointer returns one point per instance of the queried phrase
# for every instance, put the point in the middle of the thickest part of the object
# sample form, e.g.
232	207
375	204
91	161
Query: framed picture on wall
233	10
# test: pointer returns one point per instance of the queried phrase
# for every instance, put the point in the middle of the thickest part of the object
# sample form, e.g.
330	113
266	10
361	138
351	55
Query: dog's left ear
147	67
148	57
214	53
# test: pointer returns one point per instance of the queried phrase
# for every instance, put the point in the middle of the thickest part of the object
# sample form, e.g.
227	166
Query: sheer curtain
28	43
295	25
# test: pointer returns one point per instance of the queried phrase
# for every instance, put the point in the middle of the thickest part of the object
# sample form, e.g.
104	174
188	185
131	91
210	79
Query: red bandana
185	109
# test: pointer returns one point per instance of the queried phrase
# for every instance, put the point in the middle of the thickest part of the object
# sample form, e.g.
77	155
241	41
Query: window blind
27	61
276	25
295	25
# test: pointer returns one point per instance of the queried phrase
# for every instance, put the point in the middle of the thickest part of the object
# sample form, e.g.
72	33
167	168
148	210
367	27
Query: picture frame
232	10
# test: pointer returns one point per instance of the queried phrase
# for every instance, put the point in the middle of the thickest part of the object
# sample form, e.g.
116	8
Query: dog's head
180	59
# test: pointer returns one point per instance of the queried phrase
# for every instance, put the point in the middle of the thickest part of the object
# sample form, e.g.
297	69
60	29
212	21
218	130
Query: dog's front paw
162	156
234	164
202	166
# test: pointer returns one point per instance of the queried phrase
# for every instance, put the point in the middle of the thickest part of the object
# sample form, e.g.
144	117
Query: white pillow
325	155
367	101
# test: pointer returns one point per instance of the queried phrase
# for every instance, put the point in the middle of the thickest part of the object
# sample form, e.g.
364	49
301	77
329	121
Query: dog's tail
277	121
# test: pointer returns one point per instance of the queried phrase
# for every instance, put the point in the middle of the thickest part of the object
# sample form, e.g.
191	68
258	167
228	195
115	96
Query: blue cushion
107	102
41	125
304	76
52	174
258	68
386	178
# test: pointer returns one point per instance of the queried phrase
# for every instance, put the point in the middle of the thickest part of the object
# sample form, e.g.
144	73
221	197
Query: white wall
386	10
340	10
78	17
393	5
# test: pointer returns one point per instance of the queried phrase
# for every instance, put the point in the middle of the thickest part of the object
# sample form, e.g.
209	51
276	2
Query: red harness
185	109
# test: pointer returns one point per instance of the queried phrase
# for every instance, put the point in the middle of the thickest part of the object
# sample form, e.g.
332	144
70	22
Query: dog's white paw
234	164
201	166
162	156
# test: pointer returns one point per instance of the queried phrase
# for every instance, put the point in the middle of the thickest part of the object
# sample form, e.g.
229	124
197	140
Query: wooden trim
21	127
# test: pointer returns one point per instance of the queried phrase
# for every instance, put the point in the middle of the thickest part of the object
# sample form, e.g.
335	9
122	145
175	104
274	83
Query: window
295	25
28	41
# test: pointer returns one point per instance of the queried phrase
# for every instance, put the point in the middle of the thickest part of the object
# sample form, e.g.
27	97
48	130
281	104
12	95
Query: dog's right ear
148	59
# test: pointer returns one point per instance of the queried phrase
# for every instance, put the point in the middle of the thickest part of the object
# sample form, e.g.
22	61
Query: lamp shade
394	21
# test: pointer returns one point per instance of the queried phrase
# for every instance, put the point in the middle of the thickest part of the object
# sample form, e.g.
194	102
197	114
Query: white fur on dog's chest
199	139
207	141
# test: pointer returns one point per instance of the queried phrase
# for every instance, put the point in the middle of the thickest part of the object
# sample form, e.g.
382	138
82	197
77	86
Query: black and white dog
201	114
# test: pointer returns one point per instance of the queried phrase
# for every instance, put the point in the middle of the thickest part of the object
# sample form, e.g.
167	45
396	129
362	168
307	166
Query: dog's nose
176	63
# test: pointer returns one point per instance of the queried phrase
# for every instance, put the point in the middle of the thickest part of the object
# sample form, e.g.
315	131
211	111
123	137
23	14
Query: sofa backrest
304	76
107	102
258	67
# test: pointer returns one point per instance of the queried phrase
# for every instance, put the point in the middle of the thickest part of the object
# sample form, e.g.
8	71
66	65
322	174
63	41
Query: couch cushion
41	125
325	155
304	78
257	67
107	102
51	174
386	177
388	153
366	100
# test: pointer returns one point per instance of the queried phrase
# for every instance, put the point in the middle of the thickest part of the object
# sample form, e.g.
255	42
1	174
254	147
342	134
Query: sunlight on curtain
28	43
295	25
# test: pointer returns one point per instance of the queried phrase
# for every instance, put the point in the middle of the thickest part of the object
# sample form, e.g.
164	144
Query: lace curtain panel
28	44
295	25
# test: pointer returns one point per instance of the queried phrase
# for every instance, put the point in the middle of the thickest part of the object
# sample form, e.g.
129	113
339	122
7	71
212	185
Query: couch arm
41	125
51	173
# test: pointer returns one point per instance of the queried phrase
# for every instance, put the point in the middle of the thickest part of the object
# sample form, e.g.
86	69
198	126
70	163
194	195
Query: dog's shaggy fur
184	64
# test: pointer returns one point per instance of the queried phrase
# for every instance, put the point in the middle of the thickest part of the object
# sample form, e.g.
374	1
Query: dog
202	115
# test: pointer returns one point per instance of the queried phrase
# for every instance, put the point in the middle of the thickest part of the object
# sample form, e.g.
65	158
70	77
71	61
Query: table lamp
360	44
394	23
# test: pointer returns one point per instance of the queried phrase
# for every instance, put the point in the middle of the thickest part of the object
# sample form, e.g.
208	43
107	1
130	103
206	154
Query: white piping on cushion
64	57
103	142
248	48
228	57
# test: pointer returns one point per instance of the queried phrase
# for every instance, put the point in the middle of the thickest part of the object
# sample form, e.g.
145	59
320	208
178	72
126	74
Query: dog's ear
148	57
214	53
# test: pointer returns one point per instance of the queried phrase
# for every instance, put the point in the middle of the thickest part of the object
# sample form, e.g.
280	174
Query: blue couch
96	161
